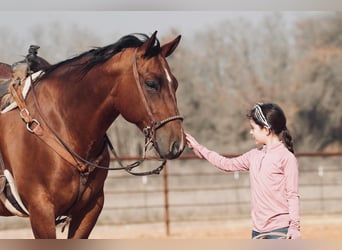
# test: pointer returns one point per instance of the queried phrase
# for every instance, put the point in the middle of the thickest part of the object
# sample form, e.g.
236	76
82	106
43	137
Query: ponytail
286	138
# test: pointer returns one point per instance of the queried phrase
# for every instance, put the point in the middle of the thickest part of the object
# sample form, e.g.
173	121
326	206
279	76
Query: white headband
260	116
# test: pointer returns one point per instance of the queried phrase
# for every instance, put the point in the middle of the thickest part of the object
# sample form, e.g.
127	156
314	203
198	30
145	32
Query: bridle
149	133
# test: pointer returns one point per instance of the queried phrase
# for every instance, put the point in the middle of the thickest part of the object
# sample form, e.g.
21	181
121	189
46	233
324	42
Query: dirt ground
312	227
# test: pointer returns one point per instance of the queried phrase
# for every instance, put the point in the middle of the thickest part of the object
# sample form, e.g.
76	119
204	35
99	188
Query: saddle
5	79
15	74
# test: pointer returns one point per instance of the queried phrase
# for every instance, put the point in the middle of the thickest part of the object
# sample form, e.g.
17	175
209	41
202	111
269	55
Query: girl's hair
271	116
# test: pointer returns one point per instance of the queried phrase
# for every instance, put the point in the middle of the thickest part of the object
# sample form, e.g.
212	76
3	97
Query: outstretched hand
191	141
193	144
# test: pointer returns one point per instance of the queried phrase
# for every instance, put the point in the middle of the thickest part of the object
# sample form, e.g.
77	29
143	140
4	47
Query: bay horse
59	160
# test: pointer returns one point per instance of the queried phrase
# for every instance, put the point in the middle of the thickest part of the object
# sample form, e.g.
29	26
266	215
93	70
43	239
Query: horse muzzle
169	147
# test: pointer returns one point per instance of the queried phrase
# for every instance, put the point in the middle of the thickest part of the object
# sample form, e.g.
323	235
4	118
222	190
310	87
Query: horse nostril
175	149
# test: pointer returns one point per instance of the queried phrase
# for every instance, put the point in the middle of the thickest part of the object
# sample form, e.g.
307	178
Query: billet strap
32	124
18	98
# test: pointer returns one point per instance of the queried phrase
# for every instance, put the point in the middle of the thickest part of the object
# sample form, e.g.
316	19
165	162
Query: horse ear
148	44
168	48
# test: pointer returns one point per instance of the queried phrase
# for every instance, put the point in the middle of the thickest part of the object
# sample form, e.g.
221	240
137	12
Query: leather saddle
17	72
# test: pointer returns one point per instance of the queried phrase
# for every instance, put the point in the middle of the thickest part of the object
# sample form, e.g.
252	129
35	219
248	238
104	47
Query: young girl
273	172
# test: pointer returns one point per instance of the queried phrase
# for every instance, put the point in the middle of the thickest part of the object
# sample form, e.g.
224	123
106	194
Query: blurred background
225	63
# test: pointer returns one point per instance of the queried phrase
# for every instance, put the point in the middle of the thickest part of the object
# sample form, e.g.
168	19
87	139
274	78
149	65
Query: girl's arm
291	173
227	164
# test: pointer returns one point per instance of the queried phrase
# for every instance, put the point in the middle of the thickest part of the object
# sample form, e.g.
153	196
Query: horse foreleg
84	220
42	220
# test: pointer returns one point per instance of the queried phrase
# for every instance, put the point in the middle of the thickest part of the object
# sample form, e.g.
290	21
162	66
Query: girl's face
258	133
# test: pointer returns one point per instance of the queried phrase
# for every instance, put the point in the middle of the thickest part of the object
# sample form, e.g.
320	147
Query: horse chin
171	155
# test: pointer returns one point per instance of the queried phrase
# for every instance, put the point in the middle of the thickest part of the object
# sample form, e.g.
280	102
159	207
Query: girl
273	171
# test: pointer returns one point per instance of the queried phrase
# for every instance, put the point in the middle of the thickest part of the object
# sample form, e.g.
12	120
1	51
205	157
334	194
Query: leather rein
52	138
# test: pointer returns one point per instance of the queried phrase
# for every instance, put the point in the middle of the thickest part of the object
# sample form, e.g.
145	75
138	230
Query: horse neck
83	109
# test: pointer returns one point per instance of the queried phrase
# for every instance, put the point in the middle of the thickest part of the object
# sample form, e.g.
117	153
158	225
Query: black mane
100	55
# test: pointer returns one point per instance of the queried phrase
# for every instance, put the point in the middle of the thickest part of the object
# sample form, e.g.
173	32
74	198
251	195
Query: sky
207	5
126	22
146	16
122	22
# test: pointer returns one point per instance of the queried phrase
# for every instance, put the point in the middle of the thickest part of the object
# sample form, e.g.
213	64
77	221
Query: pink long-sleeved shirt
274	184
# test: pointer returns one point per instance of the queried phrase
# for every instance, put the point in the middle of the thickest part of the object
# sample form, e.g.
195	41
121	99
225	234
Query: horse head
152	89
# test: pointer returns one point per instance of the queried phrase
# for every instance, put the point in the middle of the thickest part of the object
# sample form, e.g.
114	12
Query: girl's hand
293	234
193	144
191	141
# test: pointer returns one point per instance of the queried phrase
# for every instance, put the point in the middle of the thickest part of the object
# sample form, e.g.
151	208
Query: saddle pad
11	198
26	88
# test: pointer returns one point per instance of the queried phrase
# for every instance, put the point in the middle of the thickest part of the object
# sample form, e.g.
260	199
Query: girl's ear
268	131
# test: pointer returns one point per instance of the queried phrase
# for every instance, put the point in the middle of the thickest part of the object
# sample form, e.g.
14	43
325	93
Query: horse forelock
99	55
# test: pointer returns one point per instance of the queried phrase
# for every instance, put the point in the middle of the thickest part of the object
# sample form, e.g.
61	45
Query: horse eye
153	85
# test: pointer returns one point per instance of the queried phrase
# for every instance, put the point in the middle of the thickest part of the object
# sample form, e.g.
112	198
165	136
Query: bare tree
236	65
319	94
